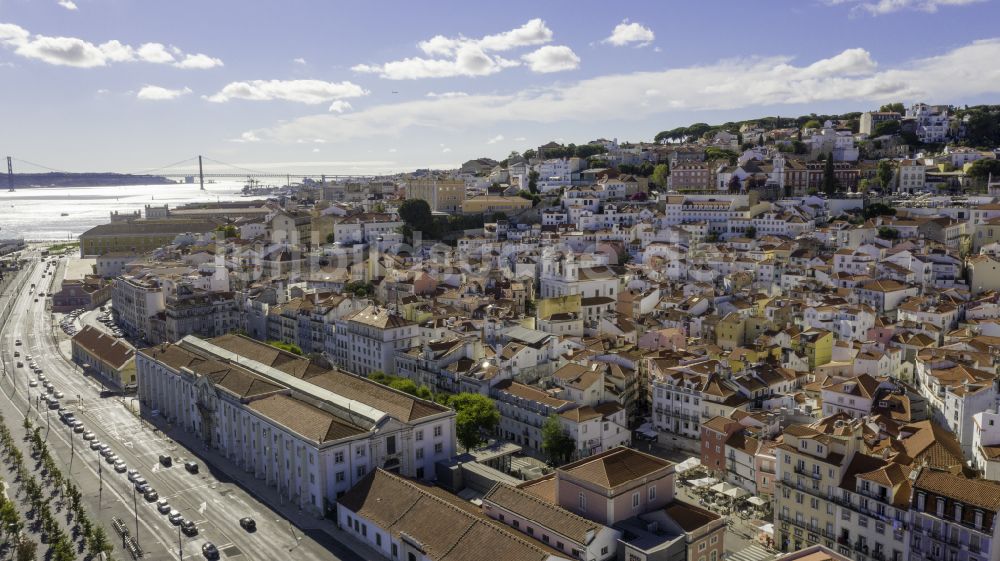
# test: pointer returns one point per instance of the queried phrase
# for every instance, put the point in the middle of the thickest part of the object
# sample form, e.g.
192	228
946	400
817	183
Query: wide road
215	506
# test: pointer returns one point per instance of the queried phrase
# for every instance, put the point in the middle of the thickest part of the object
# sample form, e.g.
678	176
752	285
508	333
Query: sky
374	87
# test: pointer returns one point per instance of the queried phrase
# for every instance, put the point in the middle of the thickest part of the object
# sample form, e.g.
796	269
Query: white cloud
79	53
495	139
68	4
299	60
249	136
392	150
520	139
445	150
552	59
155	52
960	74
315	150
447	94
339	106
881	7
198	61
157	93
626	33
103	91
312	92
462	56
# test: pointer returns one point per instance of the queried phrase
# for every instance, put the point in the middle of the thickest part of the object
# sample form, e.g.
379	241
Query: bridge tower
201	175
10	175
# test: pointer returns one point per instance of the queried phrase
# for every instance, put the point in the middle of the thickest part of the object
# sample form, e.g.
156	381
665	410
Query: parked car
120	466
189	528
133	474
163	506
210	551
175	517
143	488
95	445
139	481
151	495
248	524
87	435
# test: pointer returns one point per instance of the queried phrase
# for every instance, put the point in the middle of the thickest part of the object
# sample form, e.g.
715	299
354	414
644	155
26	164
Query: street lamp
135	507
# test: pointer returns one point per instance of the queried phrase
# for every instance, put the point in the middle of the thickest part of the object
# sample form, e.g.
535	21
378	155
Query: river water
36	214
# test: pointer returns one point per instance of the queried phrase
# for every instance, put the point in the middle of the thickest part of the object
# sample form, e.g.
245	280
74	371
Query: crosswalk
752	552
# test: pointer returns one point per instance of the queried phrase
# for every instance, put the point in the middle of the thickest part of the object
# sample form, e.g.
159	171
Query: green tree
892	108
99	542
290	347
751	232
884	173
360	289
887	233
812	124
556	443
886	128
983	169
660	174
878	209
26	550
229	231
62	550
416	213
830	184
330	238
533	181
476	414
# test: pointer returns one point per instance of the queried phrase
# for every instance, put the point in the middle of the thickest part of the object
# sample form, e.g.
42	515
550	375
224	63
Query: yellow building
443	195
810	466
480	205
558	305
729	331
138	236
817	346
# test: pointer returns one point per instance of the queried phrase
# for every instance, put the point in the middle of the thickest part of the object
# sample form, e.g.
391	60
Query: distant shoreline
63	180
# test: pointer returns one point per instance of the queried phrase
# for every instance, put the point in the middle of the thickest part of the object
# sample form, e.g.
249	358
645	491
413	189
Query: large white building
367	340
309	432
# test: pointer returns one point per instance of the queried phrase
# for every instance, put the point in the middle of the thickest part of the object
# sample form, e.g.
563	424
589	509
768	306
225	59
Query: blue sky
366	87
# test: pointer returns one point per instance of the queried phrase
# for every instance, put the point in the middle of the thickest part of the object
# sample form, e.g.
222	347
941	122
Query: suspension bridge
189	169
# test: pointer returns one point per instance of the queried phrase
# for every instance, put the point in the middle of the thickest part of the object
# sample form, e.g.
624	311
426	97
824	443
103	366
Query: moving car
191	466
166	460
248	524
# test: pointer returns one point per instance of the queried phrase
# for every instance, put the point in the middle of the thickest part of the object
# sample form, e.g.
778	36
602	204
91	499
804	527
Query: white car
33	383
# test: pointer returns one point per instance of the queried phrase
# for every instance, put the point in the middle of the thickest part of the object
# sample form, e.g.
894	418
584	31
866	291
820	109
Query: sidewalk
323	531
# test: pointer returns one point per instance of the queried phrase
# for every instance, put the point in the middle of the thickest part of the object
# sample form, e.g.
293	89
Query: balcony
801	470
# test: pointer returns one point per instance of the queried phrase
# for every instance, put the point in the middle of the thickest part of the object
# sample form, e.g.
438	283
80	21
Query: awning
703	482
736	492
687	464
756	501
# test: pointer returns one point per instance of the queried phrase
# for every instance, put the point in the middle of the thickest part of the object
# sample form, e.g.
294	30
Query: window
340	477
604	550
378	540
635	500
437	431
361	471
652	493
338	457
438	448
420	435
701	546
582	501
395	551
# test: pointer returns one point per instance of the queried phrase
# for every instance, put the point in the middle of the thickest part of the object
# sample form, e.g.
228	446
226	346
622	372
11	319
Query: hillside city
769	339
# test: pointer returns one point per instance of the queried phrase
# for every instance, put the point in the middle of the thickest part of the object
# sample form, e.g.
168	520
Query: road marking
202	507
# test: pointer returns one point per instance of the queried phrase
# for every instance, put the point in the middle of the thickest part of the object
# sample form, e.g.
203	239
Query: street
214	503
